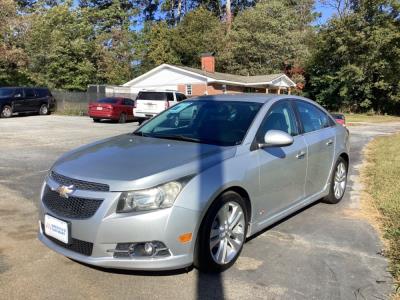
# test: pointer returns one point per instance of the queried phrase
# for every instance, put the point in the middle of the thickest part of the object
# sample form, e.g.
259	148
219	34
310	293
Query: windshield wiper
140	133
178	137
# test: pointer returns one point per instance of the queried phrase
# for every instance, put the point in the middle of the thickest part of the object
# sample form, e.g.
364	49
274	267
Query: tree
114	41
199	31
155	46
60	48
355	65
266	39
13	59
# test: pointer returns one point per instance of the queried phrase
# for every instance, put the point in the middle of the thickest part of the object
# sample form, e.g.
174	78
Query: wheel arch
235	188
345	156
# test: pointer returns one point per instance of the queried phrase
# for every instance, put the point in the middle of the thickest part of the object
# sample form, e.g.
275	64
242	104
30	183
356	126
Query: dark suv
25	100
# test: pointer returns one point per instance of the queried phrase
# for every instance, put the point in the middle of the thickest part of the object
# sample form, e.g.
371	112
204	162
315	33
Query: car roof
247	97
24	87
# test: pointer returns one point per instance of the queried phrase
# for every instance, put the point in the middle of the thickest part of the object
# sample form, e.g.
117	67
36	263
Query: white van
151	103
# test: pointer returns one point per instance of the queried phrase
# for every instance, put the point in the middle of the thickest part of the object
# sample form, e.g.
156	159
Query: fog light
148	249
132	250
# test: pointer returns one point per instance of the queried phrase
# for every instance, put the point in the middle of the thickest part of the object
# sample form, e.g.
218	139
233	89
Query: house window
189	89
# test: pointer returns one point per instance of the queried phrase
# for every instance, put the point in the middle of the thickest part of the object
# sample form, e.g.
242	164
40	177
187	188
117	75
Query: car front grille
82	247
71	207
80	184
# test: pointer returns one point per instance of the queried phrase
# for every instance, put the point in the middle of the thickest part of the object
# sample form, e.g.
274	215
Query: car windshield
152	96
223	123
108	100
6	92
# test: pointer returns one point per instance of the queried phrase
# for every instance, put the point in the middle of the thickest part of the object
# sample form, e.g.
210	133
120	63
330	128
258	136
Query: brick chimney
208	62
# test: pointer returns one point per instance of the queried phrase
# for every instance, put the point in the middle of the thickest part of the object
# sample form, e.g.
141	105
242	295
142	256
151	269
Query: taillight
166	104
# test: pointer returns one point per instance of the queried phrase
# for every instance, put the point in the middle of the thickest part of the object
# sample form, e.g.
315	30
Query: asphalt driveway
322	252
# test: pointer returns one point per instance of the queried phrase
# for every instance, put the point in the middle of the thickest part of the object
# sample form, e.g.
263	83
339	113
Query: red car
339	118
112	108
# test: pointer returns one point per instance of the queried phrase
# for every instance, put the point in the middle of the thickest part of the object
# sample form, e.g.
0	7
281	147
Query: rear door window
312	117
170	96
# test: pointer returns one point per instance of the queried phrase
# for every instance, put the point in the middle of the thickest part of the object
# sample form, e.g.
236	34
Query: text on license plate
99	108
56	228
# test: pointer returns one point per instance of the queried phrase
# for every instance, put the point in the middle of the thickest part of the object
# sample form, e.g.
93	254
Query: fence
76	103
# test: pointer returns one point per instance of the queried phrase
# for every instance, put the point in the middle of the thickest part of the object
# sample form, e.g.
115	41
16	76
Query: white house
196	82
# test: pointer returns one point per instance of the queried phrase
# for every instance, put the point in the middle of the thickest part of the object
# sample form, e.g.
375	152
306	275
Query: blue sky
326	12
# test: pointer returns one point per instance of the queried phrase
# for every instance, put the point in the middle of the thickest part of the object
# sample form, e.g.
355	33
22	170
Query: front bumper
106	228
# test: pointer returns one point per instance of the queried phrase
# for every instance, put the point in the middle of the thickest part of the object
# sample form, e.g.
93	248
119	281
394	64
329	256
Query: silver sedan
190	185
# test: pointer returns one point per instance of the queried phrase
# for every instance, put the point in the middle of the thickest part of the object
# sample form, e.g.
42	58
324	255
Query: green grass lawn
370	118
383	184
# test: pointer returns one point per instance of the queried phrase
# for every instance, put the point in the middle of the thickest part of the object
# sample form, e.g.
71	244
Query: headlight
162	196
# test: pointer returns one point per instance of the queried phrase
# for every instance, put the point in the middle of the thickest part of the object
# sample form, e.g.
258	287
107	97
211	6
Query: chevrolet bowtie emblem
65	191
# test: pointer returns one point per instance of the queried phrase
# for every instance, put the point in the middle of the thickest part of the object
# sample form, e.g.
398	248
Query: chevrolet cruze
190	185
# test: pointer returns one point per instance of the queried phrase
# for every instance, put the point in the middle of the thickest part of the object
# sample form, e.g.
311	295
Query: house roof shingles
233	78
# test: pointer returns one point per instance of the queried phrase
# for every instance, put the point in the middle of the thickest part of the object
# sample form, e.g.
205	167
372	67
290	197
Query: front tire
338	182
222	234
6	111
44	110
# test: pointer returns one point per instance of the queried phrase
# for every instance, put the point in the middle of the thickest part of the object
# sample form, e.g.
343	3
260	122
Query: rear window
6	92
108	100
158	96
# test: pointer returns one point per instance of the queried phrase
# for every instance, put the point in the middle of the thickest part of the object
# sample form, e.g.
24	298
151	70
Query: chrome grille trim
79	184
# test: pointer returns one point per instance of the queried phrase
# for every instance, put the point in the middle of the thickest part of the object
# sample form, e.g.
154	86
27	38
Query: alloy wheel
44	110
7	112
340	180
227	233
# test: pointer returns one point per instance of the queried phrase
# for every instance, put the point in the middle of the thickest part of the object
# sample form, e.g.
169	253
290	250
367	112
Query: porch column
289	90
266	90
279	90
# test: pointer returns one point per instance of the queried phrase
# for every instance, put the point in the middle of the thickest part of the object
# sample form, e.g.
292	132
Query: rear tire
338	182
140	121
222	234
6	111
96	120
44	110
122	118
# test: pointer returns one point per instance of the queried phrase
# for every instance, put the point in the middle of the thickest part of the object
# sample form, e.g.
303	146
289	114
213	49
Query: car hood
131	162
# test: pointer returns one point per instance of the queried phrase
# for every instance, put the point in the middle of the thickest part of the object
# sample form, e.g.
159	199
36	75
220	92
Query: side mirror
276	138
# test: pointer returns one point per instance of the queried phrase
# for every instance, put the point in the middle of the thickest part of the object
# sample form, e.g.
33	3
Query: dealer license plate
56	228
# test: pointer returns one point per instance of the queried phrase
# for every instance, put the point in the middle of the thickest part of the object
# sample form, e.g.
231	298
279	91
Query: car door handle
330	142
300	155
